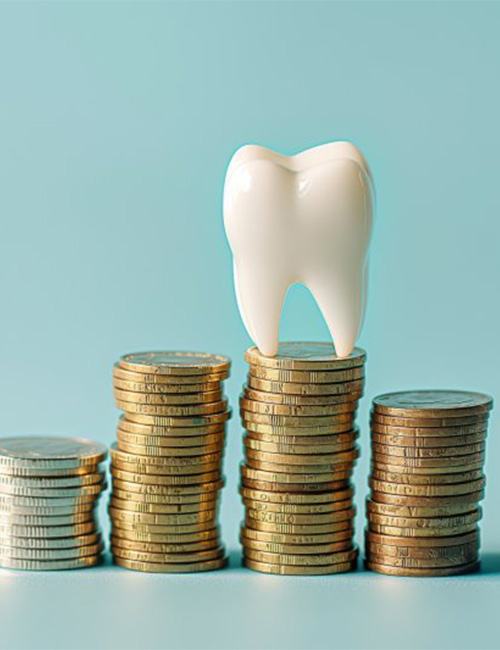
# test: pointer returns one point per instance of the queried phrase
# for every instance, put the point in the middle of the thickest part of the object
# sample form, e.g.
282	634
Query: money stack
49	489
167	463
298	409
426	482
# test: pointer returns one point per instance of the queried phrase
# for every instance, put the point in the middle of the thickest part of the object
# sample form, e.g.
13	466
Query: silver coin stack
49	488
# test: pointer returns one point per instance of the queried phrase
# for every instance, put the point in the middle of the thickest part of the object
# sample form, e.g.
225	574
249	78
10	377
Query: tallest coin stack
167	463
298	409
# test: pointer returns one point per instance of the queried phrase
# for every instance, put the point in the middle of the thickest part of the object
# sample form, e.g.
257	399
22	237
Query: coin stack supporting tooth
426	482
49	488
167	464
298	409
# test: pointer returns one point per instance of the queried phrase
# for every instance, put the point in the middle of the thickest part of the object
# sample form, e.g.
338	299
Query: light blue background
116	123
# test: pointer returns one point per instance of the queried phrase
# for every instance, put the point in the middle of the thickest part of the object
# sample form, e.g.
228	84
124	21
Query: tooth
307	219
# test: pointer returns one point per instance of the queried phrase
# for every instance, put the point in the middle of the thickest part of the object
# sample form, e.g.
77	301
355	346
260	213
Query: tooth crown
305	218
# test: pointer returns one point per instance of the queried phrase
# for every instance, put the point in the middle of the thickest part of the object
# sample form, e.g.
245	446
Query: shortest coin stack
298	409
426	482
49	487
167	463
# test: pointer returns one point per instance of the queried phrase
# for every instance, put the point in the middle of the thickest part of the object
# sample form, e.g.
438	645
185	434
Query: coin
308	539
183	383
156	529
308	488
453	521
443	571
444	464
165	389
200	492
307	376
432	403
170	442
175	400
50	565
296	529
296	549
331	472
301	560
297	400
120	456
416	511
166	538
299	519
298	410
84	480
428	442
400	531
175	452
30	472
53	543
292	508
423	542
353	388
297	499
296	355
49	452
298	421
156	567
426	490
183	472
161	508
344	444
446	555
164	558
9	531
45	511
175	363
170	432
165	479
304	459
30	491
56	503
427	502
459	559
297	432
164	423
172	411
428	423
128	516
427	452
152	547
8	518
278	477
43	554
284	569
438	471
427	479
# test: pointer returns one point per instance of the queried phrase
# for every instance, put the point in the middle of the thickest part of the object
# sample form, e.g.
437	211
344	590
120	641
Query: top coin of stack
49	487
298	409
167	463
426	482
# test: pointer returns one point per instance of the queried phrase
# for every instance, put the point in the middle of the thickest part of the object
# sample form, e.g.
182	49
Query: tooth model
299	219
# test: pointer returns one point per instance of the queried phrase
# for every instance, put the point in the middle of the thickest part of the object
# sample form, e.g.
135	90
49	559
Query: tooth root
341	301
260	293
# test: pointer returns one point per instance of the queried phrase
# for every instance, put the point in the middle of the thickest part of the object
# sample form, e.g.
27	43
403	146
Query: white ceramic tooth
305	218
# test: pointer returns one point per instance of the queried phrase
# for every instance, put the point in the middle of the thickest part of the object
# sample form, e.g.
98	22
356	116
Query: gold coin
422	542
191	493
169	432
160	508
156	529
298	421
165	538
335	472
294	487
176	401
295	549
288	570
175	363
425	442
292	499
304	459
429	432
417	511
304	441
307	376
302	560
426	490
50	565
295	509
9	531
174	452
164	479
428	423
297	410
49	453
297	432
432	403
425	522
183	383
166	389
170	442
459	559
10	518
352	388
284	399
170	471
445	531
187	462
136	500
298	519
428	479
304	355
172	411
399	571
344	444
426	502
427	452
437	471
155	422
156	567
187	519
440	463
278	477
152	547
163	558
445	555
44	554
297	539
296	529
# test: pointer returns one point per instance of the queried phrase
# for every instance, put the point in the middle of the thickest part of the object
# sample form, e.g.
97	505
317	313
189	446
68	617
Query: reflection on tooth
304	218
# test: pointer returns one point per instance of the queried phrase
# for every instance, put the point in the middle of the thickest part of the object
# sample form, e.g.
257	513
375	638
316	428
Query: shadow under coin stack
49	488
167	464
426	482
298	409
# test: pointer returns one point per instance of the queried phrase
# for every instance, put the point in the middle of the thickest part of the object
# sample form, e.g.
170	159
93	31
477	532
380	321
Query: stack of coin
167	464
49	487
298	409
426	482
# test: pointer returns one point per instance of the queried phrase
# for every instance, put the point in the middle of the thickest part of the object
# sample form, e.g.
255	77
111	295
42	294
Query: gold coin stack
298	409
426	482
167	464
49	488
